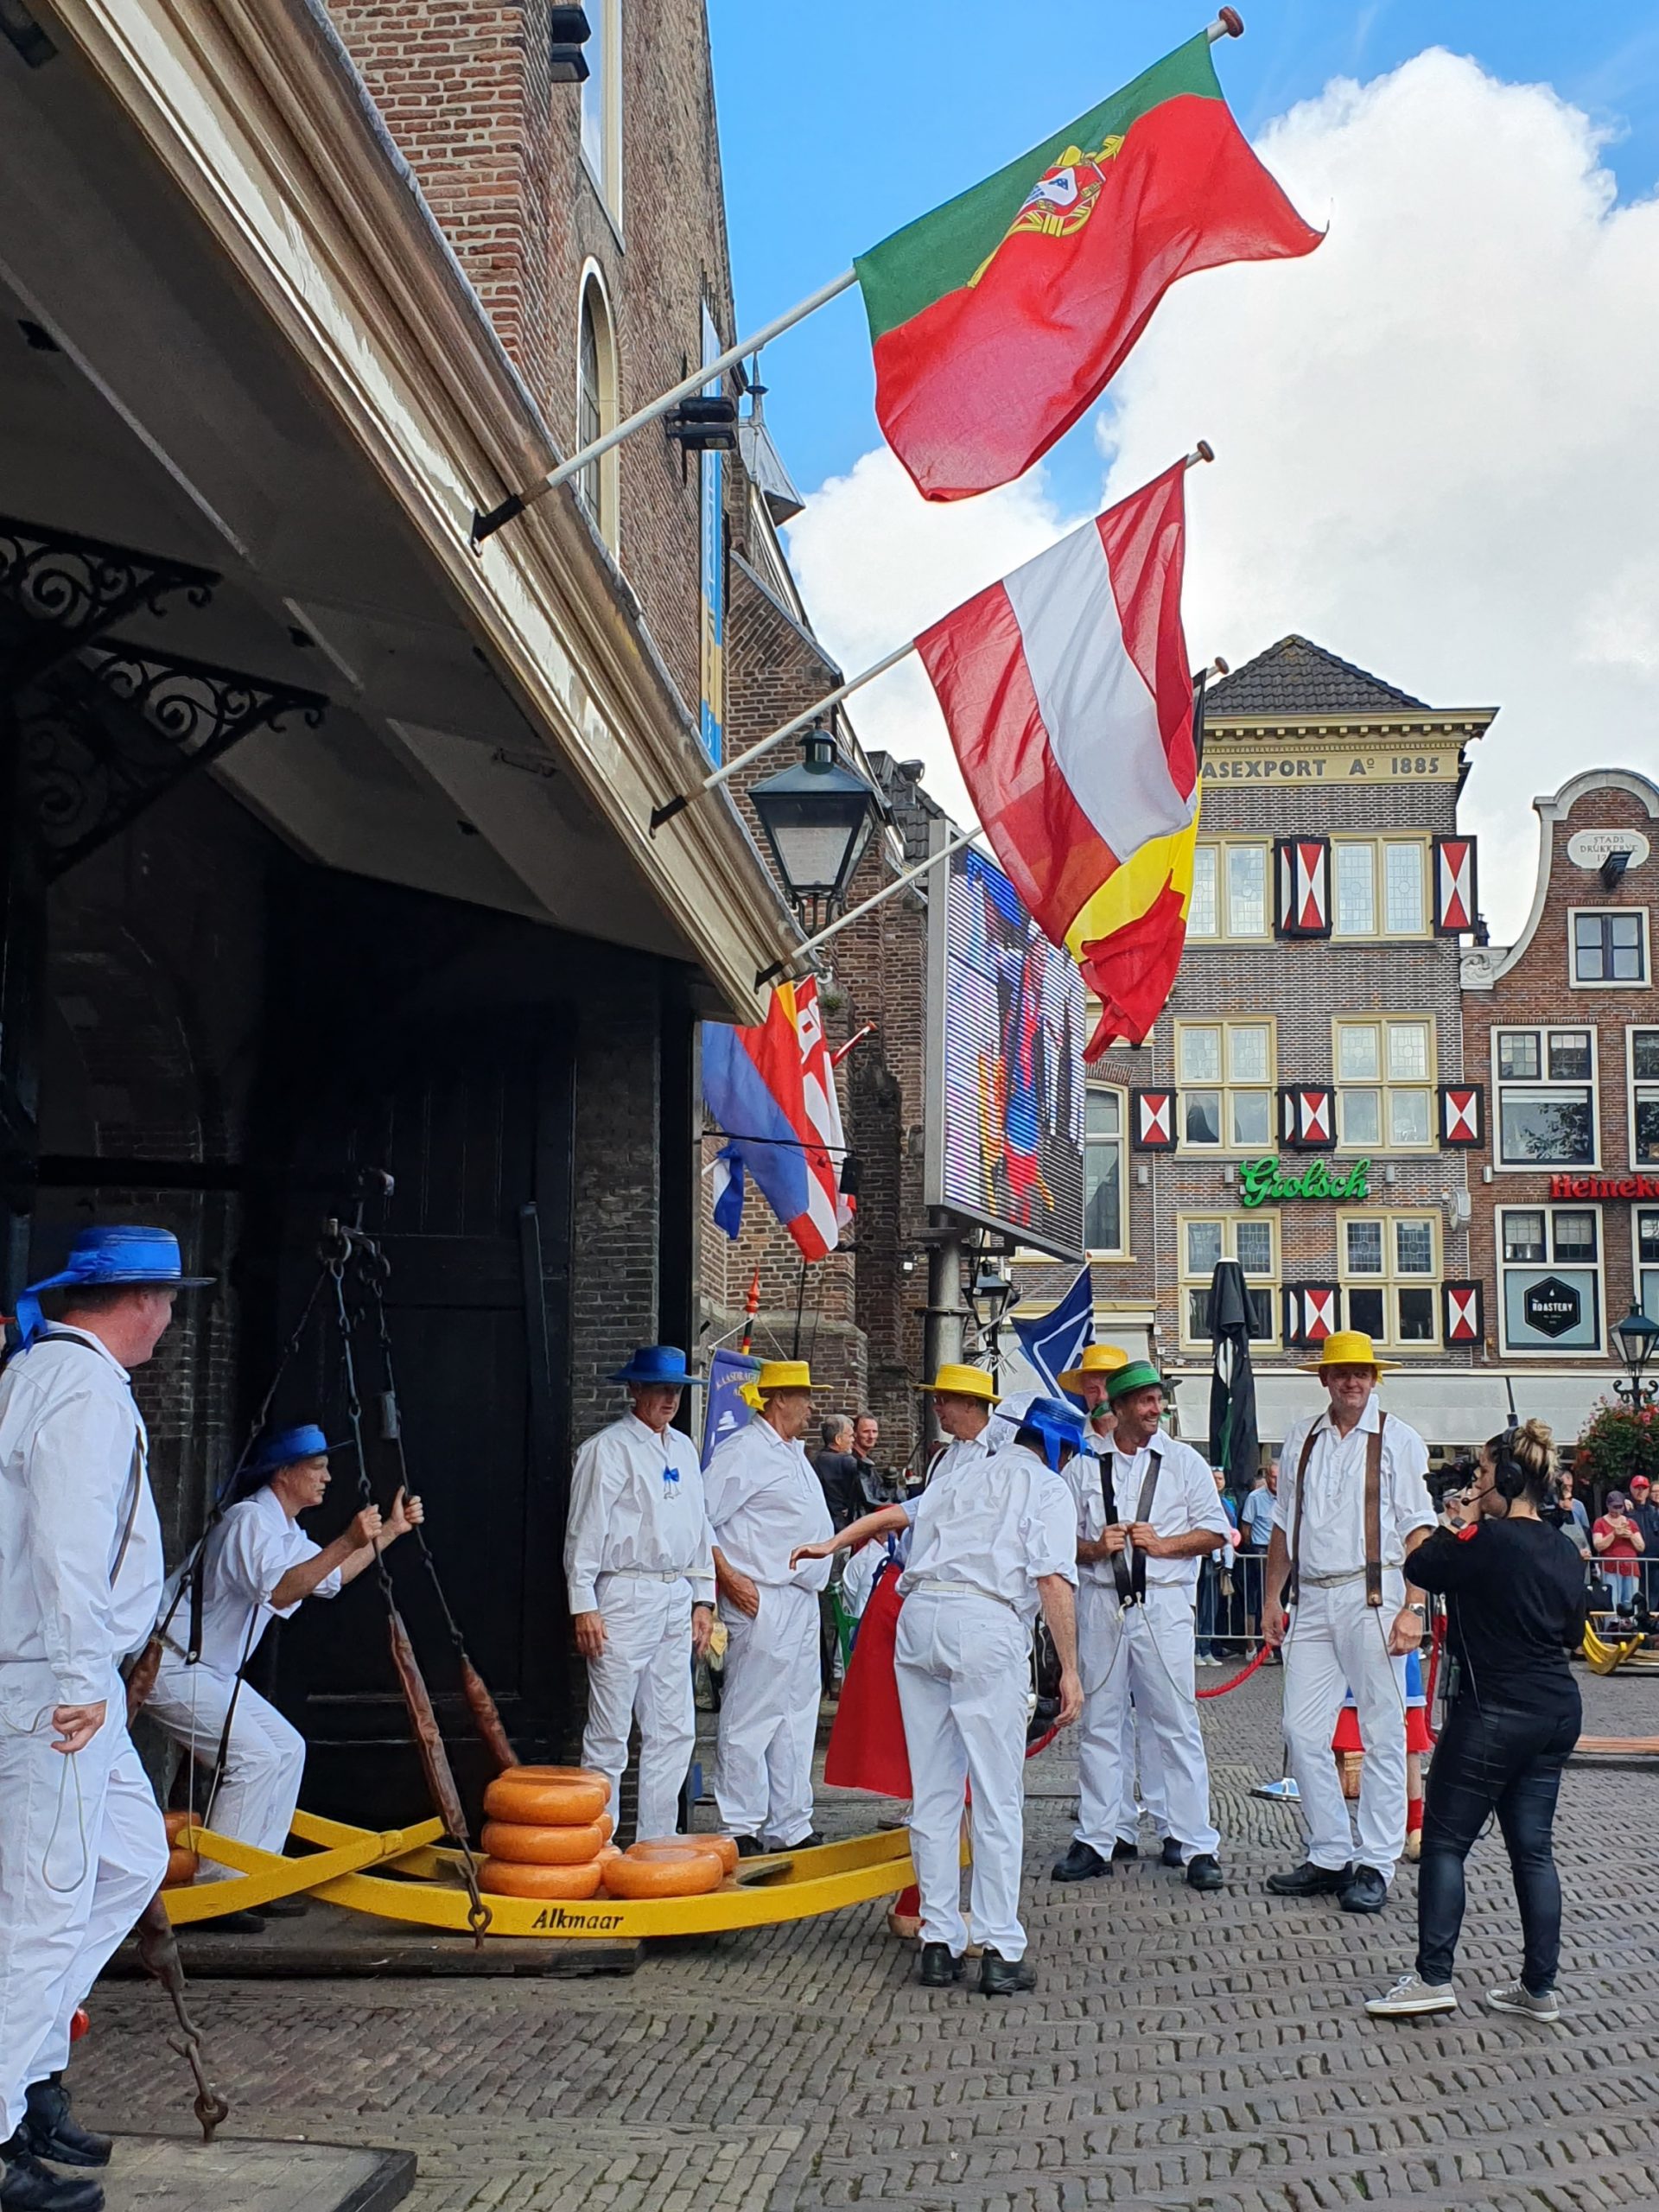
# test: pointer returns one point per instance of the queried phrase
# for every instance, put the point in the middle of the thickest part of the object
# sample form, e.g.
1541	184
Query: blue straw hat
664	1363
1056	1421
110	1259
280	1447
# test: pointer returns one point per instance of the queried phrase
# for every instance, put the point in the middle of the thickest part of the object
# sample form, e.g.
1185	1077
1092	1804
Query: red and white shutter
1309	1312
1460	1114
1152	1121
1464	1319
1303	900
1455	906
1308	1119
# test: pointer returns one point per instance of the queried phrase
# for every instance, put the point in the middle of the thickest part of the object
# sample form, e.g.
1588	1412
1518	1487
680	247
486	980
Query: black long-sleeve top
1515	1597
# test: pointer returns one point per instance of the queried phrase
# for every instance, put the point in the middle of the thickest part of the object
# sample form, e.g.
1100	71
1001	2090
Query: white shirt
68	1426
764	1499
1333	1519
247	1555
995	1521
1185	1498
636	1506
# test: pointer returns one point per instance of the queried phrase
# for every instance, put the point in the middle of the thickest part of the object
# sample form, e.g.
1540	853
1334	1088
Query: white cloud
1438	443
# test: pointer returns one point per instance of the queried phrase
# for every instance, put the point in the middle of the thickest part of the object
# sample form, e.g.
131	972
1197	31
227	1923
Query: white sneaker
1410	1995
1515	1997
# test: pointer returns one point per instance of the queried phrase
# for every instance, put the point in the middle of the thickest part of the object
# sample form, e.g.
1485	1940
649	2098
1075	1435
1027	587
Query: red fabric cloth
866	1739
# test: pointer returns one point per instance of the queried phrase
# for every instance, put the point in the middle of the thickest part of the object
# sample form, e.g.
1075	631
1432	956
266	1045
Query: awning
1566	1402
1456	1410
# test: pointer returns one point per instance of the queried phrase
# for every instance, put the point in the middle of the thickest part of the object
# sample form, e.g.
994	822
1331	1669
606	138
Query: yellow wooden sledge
264	1876
1604	1654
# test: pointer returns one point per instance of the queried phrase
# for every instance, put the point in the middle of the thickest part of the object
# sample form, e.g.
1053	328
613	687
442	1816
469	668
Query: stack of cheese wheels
670	1867
182	1864
545	1830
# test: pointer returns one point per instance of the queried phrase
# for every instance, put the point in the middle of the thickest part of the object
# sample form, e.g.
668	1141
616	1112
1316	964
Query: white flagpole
485	525
876	898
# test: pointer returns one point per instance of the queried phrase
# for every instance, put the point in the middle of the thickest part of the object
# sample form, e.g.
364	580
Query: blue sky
837	125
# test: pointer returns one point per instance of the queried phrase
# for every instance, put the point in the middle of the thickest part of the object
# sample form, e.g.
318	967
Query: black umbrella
1233	1441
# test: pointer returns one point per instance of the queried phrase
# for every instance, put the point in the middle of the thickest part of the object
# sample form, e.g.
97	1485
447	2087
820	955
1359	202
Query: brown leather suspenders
1373	1515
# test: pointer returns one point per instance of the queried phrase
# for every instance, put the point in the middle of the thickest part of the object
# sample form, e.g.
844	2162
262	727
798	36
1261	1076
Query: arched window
596	405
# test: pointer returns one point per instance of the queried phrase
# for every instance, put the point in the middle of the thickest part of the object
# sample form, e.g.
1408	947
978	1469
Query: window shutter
1455	898
1311	1312
1462	1106
1302	906
1464	1320
1152	1121
1308	1119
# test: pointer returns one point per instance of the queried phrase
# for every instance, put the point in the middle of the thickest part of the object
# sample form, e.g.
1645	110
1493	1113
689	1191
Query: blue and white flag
725	1409
1054	1341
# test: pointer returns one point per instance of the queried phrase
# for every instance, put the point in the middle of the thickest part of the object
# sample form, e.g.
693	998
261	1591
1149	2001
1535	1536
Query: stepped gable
1298	678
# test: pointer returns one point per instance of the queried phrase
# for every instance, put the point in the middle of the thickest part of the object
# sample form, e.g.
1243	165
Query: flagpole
876	898
485	525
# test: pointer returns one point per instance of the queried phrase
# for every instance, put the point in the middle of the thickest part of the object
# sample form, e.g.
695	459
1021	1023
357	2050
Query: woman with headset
1514	1594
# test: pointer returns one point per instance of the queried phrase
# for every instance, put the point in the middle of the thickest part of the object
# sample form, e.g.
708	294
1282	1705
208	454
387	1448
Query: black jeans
1505	1760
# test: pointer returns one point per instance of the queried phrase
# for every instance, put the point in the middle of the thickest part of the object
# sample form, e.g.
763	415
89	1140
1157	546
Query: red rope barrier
1433	1674
1220	1690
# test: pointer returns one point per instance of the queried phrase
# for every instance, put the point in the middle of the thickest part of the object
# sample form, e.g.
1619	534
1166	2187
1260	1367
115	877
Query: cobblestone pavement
1181	2054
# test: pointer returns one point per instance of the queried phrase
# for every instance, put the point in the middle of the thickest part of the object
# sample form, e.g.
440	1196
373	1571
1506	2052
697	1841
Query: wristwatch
1421	1612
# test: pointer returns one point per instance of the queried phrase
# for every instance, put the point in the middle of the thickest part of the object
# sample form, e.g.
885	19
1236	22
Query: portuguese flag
998	318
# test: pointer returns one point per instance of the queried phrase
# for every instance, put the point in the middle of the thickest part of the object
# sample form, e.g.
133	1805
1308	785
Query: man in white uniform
993	1538
1352	1506
257	1564
640	1577
1147	1513
765	1501
82	1846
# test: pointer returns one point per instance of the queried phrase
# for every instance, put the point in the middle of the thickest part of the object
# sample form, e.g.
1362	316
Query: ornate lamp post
1637	1340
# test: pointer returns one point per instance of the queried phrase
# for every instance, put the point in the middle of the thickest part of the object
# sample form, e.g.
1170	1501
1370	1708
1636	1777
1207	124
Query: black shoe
1367	1893
1001	1977
1308	1880
940	1966
27	2186
286	1909
750	1846
1124	1849
1204	1873
51	2131
1170	1855
233	1924
1083	1863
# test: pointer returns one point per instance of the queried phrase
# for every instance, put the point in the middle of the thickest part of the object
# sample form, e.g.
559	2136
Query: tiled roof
1296	678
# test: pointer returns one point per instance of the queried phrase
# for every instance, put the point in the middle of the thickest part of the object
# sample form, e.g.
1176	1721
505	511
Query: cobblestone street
1187	2055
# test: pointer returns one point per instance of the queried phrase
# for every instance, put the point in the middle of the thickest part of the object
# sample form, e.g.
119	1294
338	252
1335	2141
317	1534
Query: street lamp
817	816
989	1298
1638	1338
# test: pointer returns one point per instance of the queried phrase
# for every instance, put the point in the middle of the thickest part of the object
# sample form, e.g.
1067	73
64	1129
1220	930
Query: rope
1220	1690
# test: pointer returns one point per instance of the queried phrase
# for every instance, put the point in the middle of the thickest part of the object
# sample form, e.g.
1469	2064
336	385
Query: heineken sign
1263	1182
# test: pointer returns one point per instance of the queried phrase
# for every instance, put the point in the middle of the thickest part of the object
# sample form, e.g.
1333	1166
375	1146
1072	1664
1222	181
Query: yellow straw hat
782	1374
962	1383
1098	1359
1349	1348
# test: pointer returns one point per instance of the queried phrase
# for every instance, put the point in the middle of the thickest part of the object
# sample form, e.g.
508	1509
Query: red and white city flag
1308	1119
1309	1312
1152	1121
1464	1324
1304	886
1460	1113
1454	884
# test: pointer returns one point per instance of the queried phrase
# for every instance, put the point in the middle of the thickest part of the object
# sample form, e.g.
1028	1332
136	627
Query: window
1390	1268
601	104
1546	1097
1224	1071
1610	948
1645	1230
1550	1277
1102	1171
1230	891
1379	887
1254	1242
1642	1050
1384	1075
596	406
1247	890
1201	906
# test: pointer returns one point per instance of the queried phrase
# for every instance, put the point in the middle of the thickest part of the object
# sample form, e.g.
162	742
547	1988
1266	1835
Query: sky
1437	437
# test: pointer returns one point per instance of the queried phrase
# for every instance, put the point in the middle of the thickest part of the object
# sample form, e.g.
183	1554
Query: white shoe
1515	1997
1410	1995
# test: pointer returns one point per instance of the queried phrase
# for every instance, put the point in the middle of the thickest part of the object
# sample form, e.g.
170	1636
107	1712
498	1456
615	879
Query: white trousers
265	1763
964	1668
769	1717
1140	1758
1337	1640
644	1668
82	1851
1142	1651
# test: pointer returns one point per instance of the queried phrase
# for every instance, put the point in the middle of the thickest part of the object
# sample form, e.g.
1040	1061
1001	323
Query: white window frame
1635	1083
1224	933
1225	1087
1272	1284
594	300
1381	933
606	175
1122	1249
1384	1084
1543	1030
1550	1265
1643	983
1392	1279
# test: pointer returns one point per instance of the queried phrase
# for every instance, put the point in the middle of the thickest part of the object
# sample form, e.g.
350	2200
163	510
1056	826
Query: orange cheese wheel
543	1847
181	1868
724	1848
176	1823
547	1797
607	1852
505	1878
690	1874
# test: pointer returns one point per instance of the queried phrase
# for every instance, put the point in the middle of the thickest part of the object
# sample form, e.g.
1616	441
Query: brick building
1561	1028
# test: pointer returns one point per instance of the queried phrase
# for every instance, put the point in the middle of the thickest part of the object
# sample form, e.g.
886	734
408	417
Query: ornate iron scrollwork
109	732
58	591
